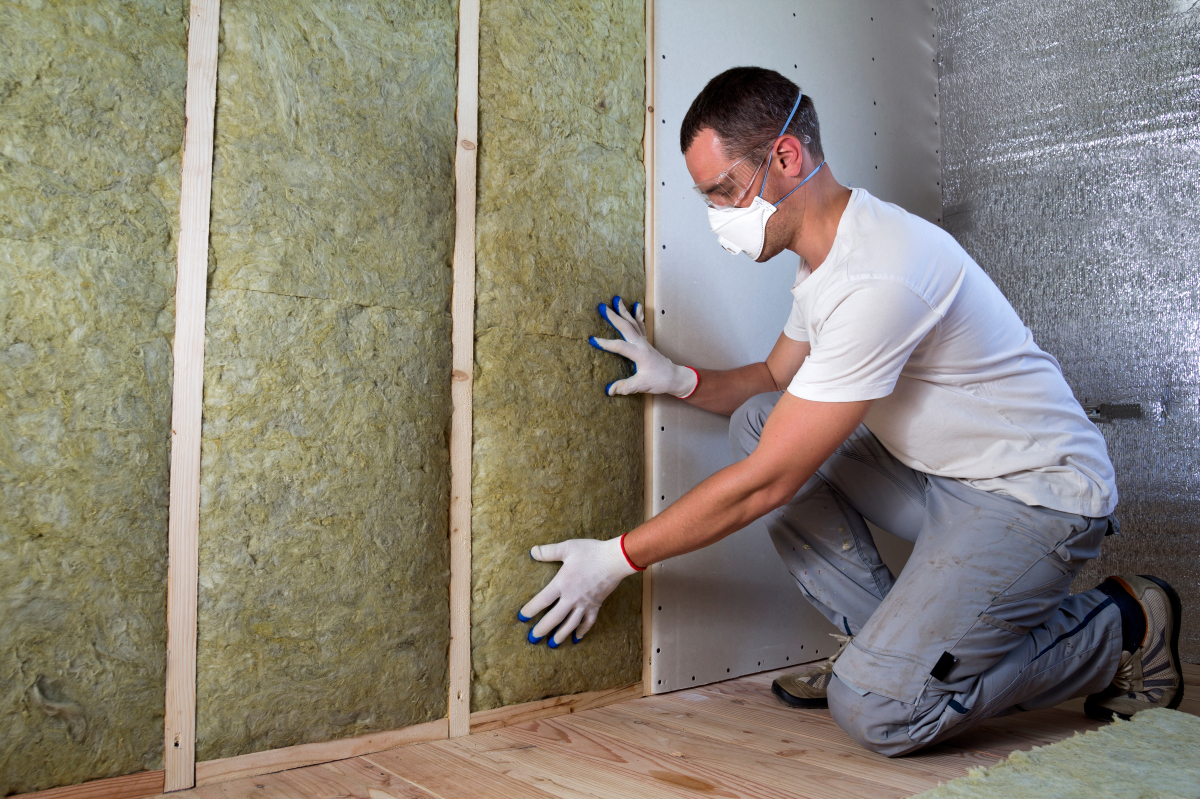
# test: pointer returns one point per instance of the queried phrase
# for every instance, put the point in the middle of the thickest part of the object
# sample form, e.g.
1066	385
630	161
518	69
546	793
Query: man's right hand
654	373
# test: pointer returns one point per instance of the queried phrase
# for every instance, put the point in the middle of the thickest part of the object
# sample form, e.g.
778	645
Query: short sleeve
863	342
795	328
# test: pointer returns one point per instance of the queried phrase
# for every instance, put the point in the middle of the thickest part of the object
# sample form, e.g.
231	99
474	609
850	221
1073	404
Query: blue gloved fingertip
606	388
551	643
603	309
592	341
522	618
533	640
575	640
617	304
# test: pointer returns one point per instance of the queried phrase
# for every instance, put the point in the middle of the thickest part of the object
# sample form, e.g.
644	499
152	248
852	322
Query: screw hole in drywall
662	428
726	671
664	246
693	679
660	607
657	650
663	497
663	312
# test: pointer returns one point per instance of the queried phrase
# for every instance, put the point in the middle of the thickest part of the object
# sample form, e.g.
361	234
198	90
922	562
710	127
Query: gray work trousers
980	621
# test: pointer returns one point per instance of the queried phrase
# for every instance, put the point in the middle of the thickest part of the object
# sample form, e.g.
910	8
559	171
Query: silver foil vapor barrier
1071	172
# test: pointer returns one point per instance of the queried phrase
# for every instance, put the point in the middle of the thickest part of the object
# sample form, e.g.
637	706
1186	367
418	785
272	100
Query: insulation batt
1071	163
324	559
560	229
91	123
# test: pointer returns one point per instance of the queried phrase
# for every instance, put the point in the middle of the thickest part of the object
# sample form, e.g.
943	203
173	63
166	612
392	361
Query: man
903	390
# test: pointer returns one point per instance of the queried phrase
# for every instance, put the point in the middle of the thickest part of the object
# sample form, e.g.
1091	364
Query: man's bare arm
798	437
723	391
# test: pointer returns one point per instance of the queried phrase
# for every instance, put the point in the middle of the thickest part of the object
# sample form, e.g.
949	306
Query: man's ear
790	154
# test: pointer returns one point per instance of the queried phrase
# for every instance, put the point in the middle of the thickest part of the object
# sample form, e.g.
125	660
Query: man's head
745	107
740	118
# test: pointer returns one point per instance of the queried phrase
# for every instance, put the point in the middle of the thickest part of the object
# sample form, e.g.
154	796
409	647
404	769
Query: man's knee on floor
746	423
877	723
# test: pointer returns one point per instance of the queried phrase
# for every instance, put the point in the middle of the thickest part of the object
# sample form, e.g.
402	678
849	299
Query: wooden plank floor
731	739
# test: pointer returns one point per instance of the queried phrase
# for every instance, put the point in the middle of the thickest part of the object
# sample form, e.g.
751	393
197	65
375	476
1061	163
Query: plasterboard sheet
871	70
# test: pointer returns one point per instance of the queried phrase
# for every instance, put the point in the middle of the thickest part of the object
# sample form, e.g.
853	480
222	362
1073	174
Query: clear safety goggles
728	188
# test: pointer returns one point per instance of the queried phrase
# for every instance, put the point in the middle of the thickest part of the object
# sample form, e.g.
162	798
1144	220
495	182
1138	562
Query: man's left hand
590	571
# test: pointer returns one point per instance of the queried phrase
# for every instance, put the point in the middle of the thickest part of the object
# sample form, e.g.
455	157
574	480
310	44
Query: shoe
808	688
1151	676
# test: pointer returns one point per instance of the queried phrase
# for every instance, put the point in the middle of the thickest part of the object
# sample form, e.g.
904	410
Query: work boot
808	688
1148	676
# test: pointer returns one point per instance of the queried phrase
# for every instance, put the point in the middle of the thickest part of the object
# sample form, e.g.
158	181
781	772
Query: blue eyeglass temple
782	131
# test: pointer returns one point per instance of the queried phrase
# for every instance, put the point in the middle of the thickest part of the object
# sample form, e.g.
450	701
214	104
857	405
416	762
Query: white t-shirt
900	314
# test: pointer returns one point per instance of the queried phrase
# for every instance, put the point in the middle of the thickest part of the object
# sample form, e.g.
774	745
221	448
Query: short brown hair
746	107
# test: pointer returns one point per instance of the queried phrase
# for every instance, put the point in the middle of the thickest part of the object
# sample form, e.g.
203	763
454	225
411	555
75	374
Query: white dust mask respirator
745	229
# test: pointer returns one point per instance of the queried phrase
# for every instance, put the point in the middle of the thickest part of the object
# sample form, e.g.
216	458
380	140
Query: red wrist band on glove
693	391
632	565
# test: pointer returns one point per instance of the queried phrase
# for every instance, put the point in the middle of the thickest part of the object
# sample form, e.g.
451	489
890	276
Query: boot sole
1097	711
796	701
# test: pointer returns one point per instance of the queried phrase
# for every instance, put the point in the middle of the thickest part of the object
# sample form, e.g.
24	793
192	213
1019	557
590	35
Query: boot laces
1127	672
844	641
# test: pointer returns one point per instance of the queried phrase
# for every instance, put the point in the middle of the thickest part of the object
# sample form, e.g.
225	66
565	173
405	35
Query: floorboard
731	739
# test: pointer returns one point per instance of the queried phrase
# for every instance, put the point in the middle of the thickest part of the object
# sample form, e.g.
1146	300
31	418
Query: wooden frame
289	757
182	771
648	407
195	196
463	365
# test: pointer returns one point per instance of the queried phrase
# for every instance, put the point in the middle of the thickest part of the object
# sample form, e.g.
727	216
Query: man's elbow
779	492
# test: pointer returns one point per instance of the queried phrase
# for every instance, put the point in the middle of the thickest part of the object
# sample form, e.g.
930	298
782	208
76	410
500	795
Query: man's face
706	161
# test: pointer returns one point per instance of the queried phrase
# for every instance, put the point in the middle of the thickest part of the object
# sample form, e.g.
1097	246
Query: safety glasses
728	188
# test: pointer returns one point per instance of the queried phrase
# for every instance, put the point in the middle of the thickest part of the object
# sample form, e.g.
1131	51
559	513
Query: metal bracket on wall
1105	412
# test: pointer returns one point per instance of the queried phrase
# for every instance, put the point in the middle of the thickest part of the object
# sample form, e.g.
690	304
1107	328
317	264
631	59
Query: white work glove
590	571
653	372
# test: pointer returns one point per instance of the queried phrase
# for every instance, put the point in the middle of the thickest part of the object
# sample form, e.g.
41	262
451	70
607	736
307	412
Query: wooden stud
463	365
648	407
130	786
255	763
187	397
484	720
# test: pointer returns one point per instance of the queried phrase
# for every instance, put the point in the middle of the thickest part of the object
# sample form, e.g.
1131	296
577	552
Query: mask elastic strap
782	131
806	180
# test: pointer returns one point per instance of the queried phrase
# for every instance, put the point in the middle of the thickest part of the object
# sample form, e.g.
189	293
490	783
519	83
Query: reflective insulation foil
560	229
1071	170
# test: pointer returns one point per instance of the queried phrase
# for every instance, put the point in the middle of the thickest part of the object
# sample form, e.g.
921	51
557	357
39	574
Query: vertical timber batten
187	395
648	408
463	365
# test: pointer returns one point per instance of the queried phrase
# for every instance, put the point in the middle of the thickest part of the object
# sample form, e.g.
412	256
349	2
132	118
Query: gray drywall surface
91	123
560	229
1071	137
324	560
